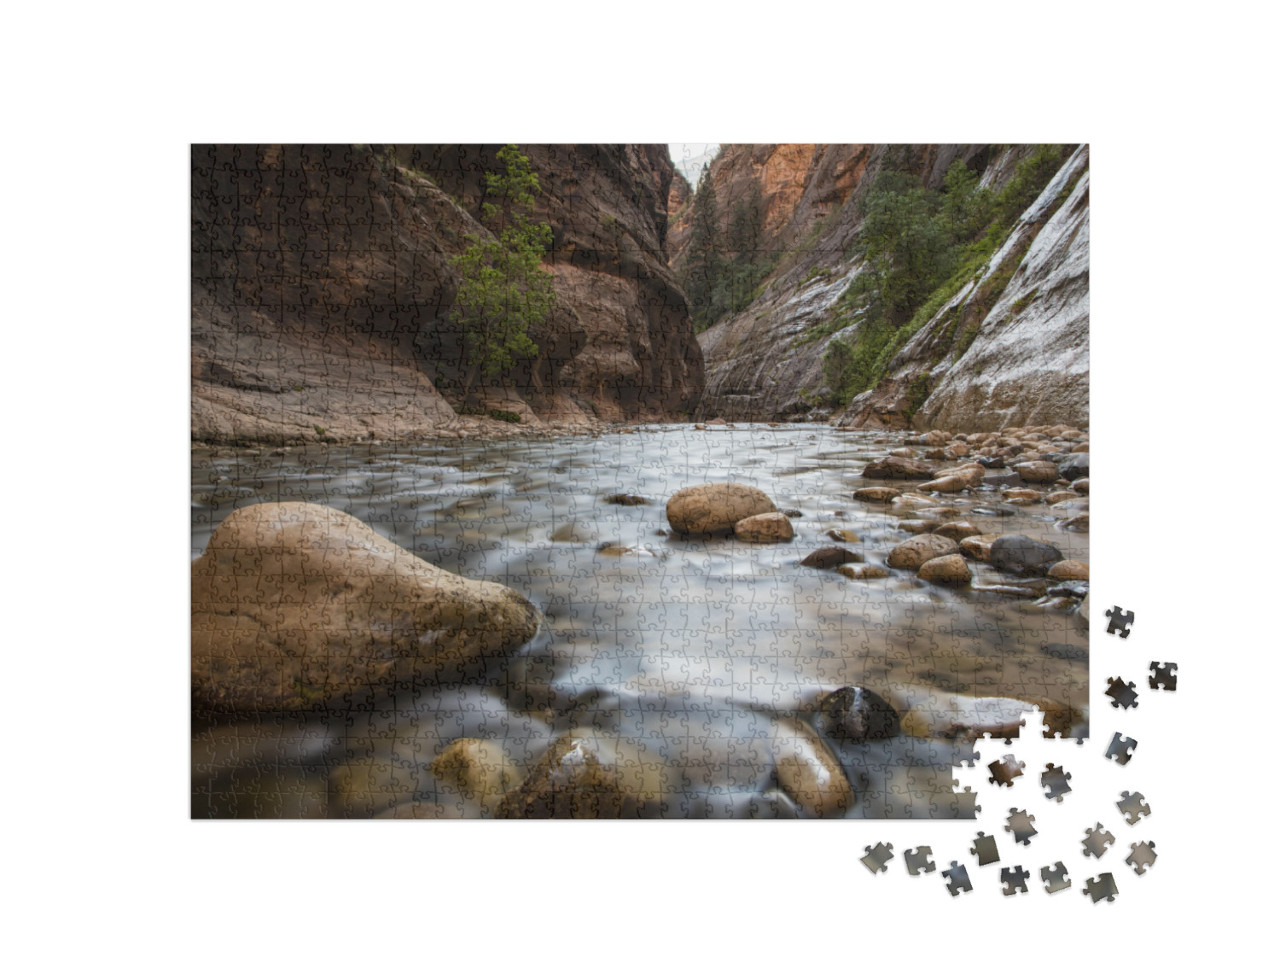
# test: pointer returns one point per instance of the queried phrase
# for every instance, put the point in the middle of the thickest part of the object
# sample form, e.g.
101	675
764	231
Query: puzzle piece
957	879
1133	806
1122	694
1103	886
1055	880
984	847
1096	841
1121	749
1141	856
918	861
877	858
1005	771
1014	880
1019	823
1054	780
1119	621
1164	675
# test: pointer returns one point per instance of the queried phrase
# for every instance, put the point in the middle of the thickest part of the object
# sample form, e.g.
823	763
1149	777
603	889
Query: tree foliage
504	289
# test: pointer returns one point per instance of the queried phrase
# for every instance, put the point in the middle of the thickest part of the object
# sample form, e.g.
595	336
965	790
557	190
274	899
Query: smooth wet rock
912	502
947	483
914	552
958	530
591	775
618	550
1037	472
1078	523
1022	555
714	509
842	535
626	499
297	605
947	570
950	716
875	494
809	773
978	546
479	769
863	571
1070	569
832	556
1029	494
897	468
768	527
919	526
1081	485
1055	497
858	715
1074	466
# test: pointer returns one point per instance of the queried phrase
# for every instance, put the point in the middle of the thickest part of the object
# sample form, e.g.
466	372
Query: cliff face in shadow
322	289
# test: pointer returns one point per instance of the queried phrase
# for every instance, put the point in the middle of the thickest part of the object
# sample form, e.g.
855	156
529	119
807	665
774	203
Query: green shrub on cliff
504	289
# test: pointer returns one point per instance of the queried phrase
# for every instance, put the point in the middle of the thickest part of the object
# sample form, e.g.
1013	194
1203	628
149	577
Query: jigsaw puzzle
481	527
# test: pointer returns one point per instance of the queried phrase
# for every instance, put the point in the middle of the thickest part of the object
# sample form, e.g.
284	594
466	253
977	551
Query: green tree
504	289
704	267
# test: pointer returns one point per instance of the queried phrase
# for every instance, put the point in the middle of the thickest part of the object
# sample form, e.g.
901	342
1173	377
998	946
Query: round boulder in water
859	715
1023	555
714	509
831	556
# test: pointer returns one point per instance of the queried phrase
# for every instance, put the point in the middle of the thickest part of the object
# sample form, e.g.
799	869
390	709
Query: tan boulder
1037	472
978	546
945	568
713	509
1070	570
897	468
766	527
1054	498
947	483
1022	495
914	552
875	494
295	605
809	772
863	570
479	769
958	530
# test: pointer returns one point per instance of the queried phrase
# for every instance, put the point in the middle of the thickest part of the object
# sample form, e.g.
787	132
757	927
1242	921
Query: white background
102	102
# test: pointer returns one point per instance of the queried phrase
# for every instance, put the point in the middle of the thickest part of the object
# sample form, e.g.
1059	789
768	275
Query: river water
697	649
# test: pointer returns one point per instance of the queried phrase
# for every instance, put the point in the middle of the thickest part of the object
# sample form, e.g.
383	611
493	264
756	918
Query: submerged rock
863	570
958	530
809	772
914	552
876	494
626	499
714	509
588	775
1075	466
1022	555
296	605
842	535
858	715
479	769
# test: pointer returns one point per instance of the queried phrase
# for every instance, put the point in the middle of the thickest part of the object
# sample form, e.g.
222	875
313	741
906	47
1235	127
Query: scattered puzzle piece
966	802
1141	856
1019	823
984	847
1054	780
1103	886
1096	841
918	861
877	859
1133	806
1121	749
1119	623
957	879
1122	694
1055	880
1164	675
1005	771
1015	880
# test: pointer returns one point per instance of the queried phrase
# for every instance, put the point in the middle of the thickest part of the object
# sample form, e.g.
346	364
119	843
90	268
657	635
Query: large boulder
1023	555
769	527
714	509
295	605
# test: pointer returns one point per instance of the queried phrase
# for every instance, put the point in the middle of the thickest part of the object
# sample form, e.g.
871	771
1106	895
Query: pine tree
705	264
504	288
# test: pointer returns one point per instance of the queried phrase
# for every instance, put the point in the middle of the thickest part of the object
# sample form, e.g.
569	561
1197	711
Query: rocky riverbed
687	621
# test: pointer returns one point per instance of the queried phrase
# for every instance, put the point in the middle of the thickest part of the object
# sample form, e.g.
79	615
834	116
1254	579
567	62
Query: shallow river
697	649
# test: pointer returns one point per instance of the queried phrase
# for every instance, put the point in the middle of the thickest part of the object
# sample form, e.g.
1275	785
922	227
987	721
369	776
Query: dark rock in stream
832	556
1022	555
621	499
1074	466
897	468
859	715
